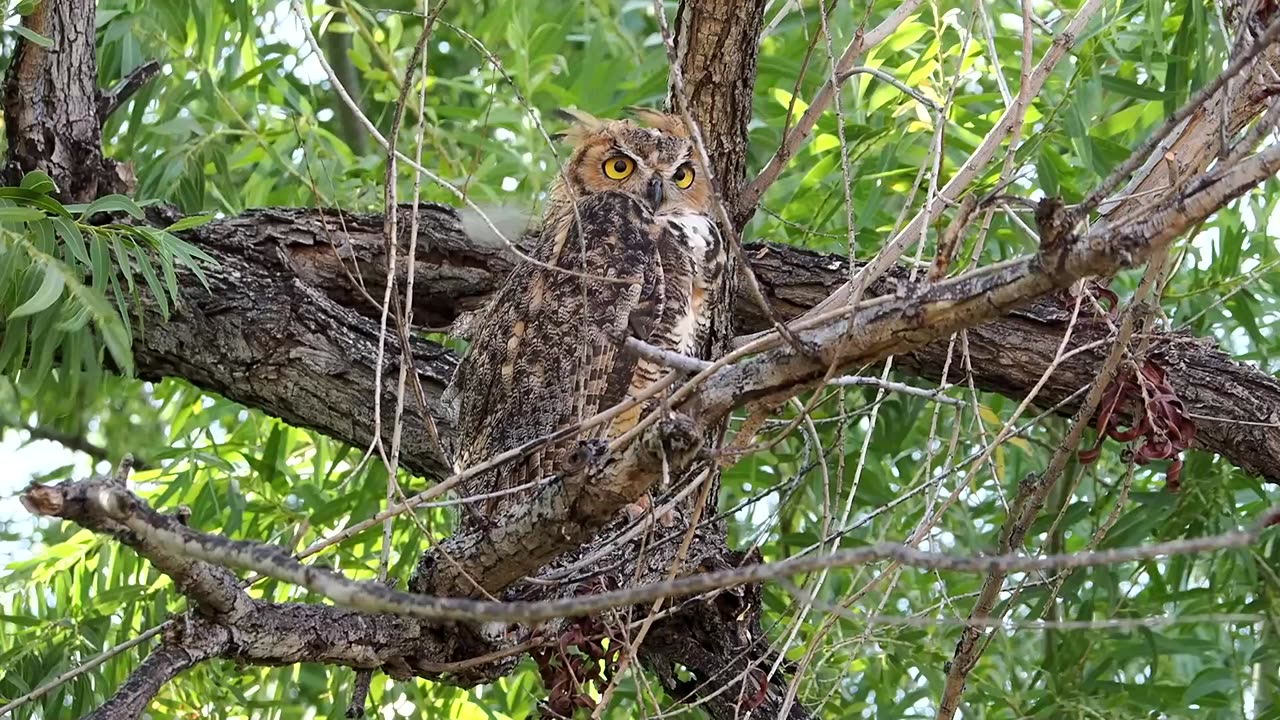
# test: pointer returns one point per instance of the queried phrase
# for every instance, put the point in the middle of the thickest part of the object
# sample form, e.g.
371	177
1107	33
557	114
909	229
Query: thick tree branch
285	304
213	589
272	251
265	335
225	621
122	506
162	665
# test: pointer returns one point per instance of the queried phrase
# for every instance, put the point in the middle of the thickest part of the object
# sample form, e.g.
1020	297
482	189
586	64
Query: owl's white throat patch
695	229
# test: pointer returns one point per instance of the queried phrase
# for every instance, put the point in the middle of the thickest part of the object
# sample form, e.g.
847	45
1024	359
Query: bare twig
104	500
800	132
119	94
977	162
1031	496
861	380
83	668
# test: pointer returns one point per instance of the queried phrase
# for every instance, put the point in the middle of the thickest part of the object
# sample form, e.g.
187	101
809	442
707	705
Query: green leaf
124	263
170	279
191	258
109	324
32	36
39	181
13	346
78	319
20	214
191	221
25	196
118	343
71	235
46	295
107	204
273	454
1047	171
1177	75
1132	89
1210	680
153	282
100	261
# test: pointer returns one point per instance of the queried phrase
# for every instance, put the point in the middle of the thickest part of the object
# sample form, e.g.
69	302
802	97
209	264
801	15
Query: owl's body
626	248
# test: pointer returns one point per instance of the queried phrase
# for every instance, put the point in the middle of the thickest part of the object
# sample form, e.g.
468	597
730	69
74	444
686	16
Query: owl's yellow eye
619	167
683	177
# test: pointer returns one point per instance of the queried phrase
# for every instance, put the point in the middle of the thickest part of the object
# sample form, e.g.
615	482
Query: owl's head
650	158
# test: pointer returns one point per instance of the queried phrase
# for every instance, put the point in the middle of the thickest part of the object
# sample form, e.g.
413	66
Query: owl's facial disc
652	164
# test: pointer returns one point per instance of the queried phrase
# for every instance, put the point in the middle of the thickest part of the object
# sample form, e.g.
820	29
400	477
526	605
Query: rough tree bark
267	335
721	644
287	330
51	102
286	302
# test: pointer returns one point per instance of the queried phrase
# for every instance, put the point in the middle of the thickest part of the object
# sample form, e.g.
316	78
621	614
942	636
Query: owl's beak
655	193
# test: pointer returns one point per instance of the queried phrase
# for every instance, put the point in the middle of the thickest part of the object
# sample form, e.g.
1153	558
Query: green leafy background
240	117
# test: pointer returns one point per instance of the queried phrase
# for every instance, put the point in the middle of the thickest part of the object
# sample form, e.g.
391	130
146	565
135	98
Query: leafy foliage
58	266
241	117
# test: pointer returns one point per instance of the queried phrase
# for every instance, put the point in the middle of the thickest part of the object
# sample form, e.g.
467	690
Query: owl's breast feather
696	231
697	239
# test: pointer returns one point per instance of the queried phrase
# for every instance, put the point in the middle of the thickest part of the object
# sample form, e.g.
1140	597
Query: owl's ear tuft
668	123
581	125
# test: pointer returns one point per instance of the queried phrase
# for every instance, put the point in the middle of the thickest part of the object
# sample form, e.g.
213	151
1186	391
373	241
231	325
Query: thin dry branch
800	131
885	326
105	499
1031	496
211	588
973	167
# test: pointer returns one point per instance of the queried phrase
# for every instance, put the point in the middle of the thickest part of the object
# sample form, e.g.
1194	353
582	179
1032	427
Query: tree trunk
51	106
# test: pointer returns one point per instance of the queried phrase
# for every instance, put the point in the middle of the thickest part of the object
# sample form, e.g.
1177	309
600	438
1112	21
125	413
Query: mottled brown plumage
626	248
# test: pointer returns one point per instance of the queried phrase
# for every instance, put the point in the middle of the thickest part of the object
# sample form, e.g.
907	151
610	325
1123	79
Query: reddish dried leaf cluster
1161	420
579	660
757	698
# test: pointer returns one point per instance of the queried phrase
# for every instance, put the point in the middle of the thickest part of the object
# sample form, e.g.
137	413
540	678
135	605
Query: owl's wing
550	350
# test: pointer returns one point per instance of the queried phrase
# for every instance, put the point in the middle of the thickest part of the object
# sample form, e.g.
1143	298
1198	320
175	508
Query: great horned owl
627	248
